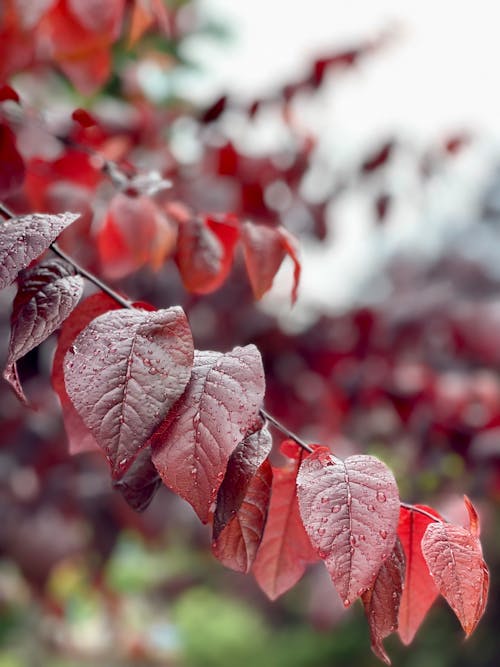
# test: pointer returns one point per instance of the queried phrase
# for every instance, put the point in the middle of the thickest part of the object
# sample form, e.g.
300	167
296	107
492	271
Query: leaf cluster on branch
129	380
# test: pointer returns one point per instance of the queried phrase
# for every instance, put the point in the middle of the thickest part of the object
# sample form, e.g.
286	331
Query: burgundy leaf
219	407
285	549
455	560
381	601
79	437
140	483
350	511
241	468
46	295
123	374
205	252
420	591
24	239
237	542
12	168
264	249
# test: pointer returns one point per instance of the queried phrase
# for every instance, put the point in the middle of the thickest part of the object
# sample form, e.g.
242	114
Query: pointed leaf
134	232
237	543
123	374
381	601
205	252
420	591
350	511
474	525
285	549
241	469
24	239
264	249
219	407
46	295
79	437
140	483
455	560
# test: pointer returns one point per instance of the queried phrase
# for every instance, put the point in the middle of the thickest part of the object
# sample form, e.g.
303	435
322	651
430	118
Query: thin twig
414	508
79	269
128	304
285	430
91	277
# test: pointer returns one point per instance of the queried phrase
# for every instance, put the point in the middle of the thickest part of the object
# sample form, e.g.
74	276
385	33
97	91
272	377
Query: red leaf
25	238
123	374
8	93
455	560
12	168
474	526
79	40
350	511
237	543
285	549
241	469
144	13
419	589
134	232
381	601
79	437
214	111
219	407
378	159
264	249
140	483
205	252
46	295
83	118
96	16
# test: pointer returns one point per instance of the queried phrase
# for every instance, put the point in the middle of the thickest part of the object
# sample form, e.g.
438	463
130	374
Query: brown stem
285	430
79	269
128	304
414	508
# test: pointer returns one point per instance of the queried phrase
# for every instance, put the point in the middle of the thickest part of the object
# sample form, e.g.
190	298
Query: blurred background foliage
404	365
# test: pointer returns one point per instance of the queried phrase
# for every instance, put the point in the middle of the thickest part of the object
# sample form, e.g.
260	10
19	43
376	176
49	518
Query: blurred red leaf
12	170
134	232
264	249
205	251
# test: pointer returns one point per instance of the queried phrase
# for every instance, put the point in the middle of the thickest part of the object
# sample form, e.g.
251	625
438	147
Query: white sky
439	74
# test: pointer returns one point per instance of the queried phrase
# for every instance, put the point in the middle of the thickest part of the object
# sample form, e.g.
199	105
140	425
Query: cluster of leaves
129	380
131	383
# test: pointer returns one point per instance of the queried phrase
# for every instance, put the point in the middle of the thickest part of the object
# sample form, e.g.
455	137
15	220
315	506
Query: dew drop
344	529
381	497
321	532
335	509
362	538
371	508
383	534
353	541
346	602
324	499
324	519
